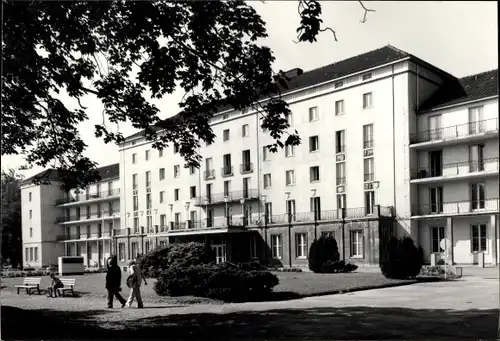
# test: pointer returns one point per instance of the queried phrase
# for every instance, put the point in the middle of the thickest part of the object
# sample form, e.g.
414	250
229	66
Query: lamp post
289	230
315	213
266	219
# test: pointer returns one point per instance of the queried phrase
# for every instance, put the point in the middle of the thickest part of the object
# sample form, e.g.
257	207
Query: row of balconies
219	198
463	207
84	236
455	131
457	168
226	171
89	216
88	196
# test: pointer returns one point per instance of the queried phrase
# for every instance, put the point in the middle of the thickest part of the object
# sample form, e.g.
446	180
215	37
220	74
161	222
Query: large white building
391	145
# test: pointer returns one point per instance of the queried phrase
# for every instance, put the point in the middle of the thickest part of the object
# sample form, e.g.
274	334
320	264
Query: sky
458	37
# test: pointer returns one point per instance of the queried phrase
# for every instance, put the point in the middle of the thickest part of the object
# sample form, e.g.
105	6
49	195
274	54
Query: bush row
227	282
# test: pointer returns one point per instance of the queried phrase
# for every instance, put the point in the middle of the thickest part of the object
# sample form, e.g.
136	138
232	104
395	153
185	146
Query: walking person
113	281
134	282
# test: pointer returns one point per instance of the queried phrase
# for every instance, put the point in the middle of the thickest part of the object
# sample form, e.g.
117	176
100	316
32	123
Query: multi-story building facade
391	145
76	223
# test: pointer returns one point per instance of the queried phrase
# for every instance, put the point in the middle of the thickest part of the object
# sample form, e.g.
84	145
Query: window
134	250
146	246
26	256
314	173
134	158
339	107
340	141
148	179
177	171
315	206
367	100
369	201
476	158
436	199
162	174
367	76
477	196
121	251
192	170
357	244
435	130
368	169
31	254
245	130
209	192
289	150
136	203
341	178
36	254
267	181
176	194
478	238
227	168
162	197
246	164
31	232
192	192
136	225
147	155
193	217
313	114
276	246
225	135
268	211
289	119
227	188
436	163
339	84
290	177
437	236
313	143
476	120
163	222
341	201
134	181
300	245
290	208
368	136
29	196
31	214
265	153
160	153
176	148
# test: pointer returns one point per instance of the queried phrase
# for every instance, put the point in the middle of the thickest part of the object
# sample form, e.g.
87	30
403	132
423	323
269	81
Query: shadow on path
360	323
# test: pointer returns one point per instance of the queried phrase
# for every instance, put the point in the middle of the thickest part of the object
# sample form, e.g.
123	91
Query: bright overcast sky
458	37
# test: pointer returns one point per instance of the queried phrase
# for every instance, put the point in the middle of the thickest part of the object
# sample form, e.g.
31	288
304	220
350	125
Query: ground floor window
134	250
437	236
478	237
121	251
357	243
276	246
300	245
36	254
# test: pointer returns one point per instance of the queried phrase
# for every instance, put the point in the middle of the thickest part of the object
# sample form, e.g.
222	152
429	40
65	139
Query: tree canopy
125	53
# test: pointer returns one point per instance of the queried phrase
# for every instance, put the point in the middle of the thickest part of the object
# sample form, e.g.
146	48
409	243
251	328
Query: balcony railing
457	207
214	223
246	168
83	236
209	174
94	215
223	197
458	168
466	129
227	171
89	196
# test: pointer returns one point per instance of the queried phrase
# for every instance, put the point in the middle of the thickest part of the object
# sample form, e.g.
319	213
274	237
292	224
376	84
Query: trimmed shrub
227	282
402	260
340	266
163	257
323	250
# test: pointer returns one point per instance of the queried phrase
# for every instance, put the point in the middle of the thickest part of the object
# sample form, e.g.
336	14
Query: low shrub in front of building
227	282
324	257
402	259
180	255
448	272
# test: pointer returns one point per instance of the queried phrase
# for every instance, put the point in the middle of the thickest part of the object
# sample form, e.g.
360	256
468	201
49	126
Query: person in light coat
135	272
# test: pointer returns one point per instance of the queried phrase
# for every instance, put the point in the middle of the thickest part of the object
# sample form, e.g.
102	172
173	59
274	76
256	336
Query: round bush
402	259
323	250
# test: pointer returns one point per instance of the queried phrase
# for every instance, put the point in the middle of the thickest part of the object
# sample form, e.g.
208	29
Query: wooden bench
30	284
69	284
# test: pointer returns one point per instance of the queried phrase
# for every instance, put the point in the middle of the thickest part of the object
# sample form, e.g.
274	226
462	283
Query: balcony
210	224
222	198
83	236
88	217
464	207
246	168
457	171
209	174
115	193
227	171
471	131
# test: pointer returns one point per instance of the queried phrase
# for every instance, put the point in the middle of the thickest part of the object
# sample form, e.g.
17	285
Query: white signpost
445	244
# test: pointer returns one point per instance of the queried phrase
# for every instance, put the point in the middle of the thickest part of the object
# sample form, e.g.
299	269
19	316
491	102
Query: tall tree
11	217
119	51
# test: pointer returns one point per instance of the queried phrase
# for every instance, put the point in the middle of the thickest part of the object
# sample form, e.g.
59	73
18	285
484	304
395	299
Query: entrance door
435	132
220	253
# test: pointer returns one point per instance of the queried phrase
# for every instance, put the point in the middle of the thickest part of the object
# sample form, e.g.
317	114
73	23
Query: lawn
292	285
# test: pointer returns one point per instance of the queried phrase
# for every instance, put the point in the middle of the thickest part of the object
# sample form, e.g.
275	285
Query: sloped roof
371	59
49	175
466	89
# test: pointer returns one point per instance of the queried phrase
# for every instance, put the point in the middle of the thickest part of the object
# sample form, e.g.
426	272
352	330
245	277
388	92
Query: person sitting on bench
56	284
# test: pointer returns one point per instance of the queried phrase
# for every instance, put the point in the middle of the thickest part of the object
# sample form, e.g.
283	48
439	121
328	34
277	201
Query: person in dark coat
114	281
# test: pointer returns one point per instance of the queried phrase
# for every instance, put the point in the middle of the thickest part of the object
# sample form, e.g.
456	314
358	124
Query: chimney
294	72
